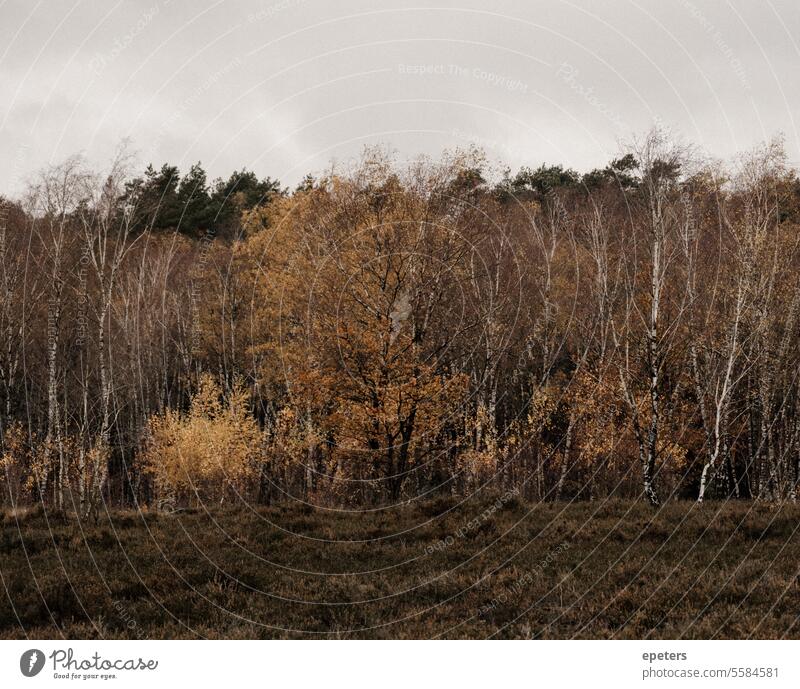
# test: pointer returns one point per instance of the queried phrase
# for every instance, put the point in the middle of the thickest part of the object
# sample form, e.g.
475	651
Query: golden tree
210	451
360	311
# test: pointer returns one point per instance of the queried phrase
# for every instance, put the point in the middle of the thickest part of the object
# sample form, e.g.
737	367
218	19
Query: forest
387	332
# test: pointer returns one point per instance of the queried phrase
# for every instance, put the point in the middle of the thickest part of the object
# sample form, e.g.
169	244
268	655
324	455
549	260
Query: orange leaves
359	276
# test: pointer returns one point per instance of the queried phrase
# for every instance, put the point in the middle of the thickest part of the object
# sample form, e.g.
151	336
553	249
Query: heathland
492	566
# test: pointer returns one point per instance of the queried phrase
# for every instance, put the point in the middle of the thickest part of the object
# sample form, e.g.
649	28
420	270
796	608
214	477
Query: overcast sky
285	86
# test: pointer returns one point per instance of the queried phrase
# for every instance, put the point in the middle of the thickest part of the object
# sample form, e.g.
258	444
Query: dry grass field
493	567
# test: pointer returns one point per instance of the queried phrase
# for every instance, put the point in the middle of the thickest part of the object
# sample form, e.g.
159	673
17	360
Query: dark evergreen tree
194	204
242	191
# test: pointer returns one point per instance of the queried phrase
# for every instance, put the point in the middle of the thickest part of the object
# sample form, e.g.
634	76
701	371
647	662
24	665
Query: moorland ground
490	567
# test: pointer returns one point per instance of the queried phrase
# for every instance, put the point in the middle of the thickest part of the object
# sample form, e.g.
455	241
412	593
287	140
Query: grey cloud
284	86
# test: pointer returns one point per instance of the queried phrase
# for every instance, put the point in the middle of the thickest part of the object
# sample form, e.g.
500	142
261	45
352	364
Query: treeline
385	333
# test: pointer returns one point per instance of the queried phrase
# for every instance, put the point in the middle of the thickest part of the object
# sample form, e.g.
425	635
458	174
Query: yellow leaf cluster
211	450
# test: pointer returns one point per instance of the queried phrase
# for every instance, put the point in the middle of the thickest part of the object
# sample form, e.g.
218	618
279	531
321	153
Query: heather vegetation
487	567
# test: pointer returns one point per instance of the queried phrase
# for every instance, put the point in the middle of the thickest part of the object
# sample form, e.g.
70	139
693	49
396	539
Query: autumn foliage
387	331
211	450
